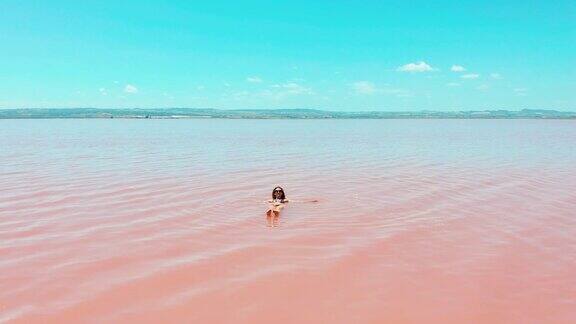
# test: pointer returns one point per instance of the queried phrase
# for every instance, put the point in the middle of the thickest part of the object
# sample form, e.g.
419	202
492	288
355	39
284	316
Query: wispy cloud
470	76
520	91
130	89
483	87
416	67
369	88
457	68
364	87
254	79
103	91
495	76
292	88
275	92
453	84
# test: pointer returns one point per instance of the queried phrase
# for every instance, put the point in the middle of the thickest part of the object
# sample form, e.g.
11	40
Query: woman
278	202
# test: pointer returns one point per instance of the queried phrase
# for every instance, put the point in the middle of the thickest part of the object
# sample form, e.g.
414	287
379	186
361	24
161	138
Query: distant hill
179	113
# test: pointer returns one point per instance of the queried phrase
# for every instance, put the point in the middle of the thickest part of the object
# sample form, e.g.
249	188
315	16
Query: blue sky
338	55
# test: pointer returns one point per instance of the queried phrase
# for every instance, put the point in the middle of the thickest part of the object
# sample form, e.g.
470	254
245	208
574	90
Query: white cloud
297	80
369	88
292	88
457	68
483	87
364	87
103	91
254	79
274	92
416	67
200	87
453	84
520	91
240	95
495	76
130	89
470	76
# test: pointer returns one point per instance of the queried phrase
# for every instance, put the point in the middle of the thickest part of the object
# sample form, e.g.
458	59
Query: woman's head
278	193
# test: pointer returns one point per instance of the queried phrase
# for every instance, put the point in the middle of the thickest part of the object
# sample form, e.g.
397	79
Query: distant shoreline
199	113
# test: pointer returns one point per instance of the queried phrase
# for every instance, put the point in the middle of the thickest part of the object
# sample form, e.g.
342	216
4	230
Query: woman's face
277	193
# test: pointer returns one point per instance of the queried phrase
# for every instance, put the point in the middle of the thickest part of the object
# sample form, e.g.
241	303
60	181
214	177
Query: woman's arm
293	201
302	200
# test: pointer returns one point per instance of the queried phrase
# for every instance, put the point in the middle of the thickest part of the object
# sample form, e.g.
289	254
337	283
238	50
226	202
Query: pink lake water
418	221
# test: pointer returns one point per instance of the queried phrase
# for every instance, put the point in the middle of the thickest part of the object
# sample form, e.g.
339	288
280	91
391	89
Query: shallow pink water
419	221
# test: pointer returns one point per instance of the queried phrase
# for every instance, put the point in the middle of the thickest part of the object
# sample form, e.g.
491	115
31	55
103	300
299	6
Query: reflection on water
162	220
272	218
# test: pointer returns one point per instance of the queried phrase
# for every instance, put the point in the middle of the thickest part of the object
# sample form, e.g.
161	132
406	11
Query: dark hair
282	194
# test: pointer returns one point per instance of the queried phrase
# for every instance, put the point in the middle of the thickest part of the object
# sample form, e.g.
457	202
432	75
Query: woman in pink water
278	202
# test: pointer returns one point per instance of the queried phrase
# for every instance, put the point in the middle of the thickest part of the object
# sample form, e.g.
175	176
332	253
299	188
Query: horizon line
295	109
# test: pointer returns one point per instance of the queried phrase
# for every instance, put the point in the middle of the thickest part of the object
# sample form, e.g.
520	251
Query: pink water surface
418	221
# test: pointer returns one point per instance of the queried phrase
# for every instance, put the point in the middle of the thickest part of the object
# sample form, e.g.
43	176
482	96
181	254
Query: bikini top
279	200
